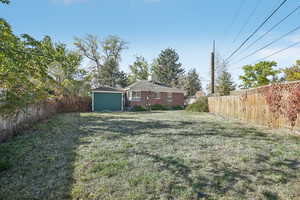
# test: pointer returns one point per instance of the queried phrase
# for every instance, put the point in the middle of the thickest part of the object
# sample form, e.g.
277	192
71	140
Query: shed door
107	101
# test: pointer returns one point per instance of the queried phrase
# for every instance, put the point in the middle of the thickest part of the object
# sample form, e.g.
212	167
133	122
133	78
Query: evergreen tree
5	1
109	73
225	83
192	83
122	79
167	68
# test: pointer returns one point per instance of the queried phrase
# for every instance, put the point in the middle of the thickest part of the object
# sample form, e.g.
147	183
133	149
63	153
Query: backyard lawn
160	155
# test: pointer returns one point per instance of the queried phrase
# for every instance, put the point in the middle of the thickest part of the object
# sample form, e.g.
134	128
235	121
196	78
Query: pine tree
192	83
225	83
167	68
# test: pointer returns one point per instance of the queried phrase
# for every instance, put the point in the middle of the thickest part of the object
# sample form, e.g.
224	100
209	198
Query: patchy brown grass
160	155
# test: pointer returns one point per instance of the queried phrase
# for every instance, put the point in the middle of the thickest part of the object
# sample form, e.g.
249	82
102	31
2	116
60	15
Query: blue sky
149	26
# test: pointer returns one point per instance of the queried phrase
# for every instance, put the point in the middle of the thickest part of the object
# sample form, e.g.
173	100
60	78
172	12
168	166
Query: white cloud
69	2
294	38
284	58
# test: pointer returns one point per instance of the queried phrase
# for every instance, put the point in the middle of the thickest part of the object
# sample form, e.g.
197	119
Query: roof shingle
150	86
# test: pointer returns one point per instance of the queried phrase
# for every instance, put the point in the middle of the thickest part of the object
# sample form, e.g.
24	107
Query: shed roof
154	87
107	89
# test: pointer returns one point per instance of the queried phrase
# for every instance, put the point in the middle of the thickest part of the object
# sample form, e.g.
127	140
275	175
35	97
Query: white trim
93	109
123	102
101	91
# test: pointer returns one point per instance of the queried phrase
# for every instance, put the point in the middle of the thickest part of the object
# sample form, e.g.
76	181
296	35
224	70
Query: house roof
150	86
107	89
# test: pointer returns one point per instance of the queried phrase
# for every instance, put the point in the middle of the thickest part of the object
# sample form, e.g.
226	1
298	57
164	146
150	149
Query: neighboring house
107	99
145	93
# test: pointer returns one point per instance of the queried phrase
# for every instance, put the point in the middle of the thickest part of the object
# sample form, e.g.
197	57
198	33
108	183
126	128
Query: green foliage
192	83
225	84
201	105
138	109
5	1
32	70
159	107
139	69
4	165
262	73
177	108
167	69
23	70
122	79
292	73
109	73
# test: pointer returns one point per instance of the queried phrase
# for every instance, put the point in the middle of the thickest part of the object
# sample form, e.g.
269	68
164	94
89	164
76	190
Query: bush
177	108
138	109
201	105
4	165
159	107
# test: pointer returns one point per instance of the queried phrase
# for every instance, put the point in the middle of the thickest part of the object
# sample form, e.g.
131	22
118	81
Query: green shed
107	99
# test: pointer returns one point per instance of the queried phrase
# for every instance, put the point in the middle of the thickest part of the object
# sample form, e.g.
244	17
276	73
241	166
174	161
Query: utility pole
213	69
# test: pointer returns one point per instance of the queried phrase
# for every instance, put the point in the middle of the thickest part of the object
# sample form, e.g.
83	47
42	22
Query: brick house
144	92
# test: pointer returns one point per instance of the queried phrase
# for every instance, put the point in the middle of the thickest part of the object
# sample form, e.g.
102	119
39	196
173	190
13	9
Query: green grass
158	155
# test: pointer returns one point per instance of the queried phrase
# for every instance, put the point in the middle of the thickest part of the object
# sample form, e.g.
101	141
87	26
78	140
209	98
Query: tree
167	68
5	1
192	82
23	69
109	73
225	83
292	73
122	79
262	73
105	57
139	69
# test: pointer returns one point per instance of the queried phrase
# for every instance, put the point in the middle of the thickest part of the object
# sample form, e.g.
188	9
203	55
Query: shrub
177	108
201	105
4	165
138	109
159	107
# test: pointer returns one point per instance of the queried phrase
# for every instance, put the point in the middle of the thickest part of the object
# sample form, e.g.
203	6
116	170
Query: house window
135	96
170	97
156	95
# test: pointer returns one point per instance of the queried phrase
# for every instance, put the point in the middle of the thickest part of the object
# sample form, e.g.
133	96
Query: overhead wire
279	51
234	18
257	29
247	20
273	27
269	44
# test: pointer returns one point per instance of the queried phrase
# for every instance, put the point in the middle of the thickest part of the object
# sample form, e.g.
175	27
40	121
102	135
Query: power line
269	44
256	30
277	52
248	20
236	15
234	18
273	27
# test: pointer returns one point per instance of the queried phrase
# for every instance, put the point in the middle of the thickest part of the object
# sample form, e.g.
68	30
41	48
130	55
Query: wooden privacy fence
275	106
35	112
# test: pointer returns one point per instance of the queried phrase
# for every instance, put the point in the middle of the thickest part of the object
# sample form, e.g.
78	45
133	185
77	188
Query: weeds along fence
275	106
9	126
